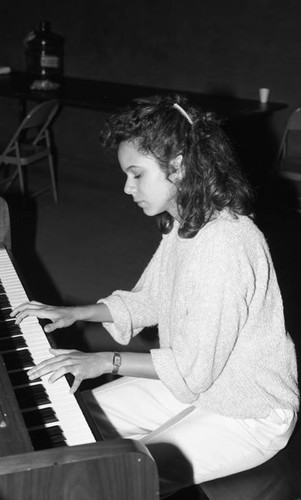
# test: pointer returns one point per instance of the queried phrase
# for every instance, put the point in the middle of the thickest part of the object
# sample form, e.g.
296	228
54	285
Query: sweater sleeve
136	309
216	311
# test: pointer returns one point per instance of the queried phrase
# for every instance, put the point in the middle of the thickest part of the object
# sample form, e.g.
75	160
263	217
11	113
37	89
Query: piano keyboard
43	405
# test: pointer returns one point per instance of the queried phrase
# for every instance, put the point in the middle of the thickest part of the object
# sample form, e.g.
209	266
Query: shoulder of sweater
228	238
230	227
224	227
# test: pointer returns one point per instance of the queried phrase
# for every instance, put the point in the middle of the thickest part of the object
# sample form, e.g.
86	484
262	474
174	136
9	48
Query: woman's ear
178	168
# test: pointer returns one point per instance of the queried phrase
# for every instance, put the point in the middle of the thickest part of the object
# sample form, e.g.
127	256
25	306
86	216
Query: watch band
116	363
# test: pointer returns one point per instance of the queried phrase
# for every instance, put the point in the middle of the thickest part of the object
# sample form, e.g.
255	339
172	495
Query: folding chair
31	143
289	160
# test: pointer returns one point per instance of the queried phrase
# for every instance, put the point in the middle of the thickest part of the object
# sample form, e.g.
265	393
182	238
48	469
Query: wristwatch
116	363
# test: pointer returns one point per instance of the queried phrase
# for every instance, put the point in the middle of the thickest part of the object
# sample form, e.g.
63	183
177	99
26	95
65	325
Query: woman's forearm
94	312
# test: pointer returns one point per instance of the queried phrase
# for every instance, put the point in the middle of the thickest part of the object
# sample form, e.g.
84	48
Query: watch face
116	363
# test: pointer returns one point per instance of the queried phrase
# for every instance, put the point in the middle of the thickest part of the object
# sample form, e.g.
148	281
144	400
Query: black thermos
44	57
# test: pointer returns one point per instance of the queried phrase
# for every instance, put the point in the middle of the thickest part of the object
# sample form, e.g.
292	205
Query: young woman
219	395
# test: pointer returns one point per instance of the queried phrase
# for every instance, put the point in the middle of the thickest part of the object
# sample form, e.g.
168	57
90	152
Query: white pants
188	444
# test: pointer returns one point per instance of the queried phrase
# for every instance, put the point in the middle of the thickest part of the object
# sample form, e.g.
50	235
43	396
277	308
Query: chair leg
9	181
53	178
21	178
19	167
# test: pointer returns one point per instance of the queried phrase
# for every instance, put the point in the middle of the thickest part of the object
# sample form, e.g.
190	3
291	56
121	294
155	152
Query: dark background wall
233	46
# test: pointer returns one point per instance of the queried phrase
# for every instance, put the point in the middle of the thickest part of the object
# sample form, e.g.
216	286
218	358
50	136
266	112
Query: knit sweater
216	300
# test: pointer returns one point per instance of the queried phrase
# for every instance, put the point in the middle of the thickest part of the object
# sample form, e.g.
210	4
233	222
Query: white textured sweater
217	304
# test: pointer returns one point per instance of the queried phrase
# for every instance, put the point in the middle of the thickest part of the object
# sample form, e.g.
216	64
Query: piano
49	450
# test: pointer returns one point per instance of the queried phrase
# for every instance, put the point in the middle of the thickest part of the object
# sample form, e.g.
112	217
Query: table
109	96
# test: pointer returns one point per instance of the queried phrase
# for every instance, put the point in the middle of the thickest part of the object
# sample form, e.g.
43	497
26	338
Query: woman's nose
129	187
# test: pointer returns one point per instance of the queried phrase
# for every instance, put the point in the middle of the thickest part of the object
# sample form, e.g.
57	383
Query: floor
95	240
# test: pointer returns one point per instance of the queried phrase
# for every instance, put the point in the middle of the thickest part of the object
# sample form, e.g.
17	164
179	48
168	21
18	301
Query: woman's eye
137	176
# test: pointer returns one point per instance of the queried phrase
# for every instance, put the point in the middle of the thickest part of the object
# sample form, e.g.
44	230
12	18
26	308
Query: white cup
264	95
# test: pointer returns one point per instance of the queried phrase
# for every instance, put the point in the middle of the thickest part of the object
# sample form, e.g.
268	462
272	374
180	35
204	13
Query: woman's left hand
80	364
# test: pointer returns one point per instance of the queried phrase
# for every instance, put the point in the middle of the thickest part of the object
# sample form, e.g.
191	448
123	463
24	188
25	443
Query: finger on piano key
31	309
20	379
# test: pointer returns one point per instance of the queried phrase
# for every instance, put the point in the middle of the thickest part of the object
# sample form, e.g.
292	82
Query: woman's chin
149	212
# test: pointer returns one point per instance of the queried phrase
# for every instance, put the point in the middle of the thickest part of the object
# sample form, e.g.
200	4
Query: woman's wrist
106	359
81	313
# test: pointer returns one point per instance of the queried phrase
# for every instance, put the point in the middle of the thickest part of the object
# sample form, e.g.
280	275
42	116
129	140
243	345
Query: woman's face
146	181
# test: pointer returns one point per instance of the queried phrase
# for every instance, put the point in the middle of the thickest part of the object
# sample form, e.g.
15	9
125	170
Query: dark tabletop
109	96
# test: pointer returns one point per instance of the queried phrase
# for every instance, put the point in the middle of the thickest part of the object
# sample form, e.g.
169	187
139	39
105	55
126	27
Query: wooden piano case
112	470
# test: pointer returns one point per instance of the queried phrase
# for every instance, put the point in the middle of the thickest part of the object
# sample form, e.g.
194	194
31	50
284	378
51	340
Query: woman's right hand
82	365
60	317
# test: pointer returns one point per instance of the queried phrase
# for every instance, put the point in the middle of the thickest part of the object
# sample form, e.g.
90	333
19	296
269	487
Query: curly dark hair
212	179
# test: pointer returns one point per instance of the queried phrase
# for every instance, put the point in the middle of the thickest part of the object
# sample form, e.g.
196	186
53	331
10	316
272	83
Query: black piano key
39	418
9	329
5	314
31	396
12	344
51	437
20	378
18	360
13	329
4	302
